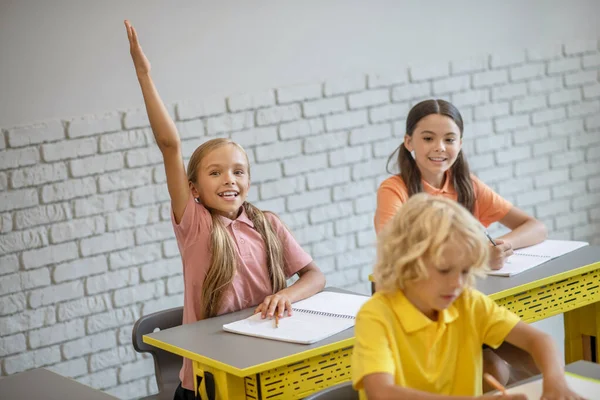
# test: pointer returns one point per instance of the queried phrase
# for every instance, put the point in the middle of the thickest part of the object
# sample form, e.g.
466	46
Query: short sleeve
372	351
294	255
493	322
391	195
491	207
195	218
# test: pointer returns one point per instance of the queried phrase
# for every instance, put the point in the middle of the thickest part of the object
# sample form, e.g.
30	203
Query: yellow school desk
235	366
569	284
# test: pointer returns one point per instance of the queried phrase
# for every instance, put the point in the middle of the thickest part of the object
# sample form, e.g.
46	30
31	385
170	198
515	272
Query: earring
412	153
197	200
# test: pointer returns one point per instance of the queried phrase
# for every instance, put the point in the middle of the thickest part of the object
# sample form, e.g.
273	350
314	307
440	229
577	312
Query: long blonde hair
418	235
223	262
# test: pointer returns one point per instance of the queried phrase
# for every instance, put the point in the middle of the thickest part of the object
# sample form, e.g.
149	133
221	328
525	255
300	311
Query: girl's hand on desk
499	254
503	397
557	389
274	303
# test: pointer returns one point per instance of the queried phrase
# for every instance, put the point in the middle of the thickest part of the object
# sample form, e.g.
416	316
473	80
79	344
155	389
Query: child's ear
195	192
408	142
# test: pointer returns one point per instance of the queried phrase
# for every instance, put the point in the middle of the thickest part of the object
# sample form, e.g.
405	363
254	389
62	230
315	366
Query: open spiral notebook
313	319
588	388
532	256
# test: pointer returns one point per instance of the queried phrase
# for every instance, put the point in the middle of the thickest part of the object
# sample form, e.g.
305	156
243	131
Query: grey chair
166	365
343	391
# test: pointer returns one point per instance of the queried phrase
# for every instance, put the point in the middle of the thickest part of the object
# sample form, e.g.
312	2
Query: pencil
276	320
497	385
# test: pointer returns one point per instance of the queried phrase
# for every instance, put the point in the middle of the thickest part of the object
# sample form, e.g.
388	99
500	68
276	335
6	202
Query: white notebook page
331	302
585	387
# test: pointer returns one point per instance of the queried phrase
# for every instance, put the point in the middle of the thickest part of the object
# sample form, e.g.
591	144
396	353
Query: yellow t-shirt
443	356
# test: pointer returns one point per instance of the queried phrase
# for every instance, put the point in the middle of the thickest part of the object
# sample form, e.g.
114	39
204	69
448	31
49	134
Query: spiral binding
326	314
531	255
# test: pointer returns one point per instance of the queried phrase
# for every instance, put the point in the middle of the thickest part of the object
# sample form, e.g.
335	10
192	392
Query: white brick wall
86	244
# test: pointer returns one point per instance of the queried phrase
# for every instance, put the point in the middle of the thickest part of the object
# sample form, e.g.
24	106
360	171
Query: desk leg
227	386
581	325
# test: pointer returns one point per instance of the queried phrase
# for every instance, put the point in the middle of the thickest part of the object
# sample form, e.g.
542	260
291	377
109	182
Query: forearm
163	127
309	283
529	233
546	357
398	392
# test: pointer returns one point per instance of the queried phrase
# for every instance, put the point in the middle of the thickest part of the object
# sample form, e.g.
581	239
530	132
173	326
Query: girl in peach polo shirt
234	255
430	160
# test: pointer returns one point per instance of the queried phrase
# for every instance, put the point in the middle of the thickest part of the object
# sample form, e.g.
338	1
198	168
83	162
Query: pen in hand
493	382
276	320
489	237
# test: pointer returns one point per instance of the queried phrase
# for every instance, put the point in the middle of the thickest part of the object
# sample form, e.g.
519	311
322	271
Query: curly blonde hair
418	235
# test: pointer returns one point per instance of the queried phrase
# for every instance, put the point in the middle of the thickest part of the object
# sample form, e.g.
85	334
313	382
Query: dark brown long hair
409	171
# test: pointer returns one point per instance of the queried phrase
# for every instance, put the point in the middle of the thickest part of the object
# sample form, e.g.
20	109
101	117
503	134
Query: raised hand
140	61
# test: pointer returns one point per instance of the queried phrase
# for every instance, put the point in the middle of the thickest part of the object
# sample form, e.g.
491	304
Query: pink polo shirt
251	283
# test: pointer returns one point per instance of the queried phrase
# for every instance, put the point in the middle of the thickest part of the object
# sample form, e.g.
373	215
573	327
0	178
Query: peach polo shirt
490	207
251	283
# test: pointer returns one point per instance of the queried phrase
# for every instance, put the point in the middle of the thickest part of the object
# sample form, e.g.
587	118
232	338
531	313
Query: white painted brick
581	78
152	233
174	285
55	294
125	179
3	181
329	177
124	140
489	111
593	153
591	91
267	172
566	128
106	243
139	293
580	47
295	219
6	223
512	122
275	115
346	120
572	220
368	98
366	239
17	199
531	135
145	156
388	112
568	189
585	170
590	123
112	280
76	229
56	333
282	187
36	278
370	134
471	98
474	64
159	175
545	85
229	123
36	133
27	320
38	175
69	149
18	241
195	109
170	249
545	52
100	204
590	61
73	368
325	264
387	78
565	97
136	370
356	257
83	307
151	194
368	169
481	162
489	78
68	189
343	278
507	58
276	206
91	124
528	104
478	129
533	197
513	154
111	319
508	92
551	178
50	255
344	226
324	106
496	174
80	268
525	72
8	264
385	147
512	186
586	140
595	213
161	269
325	142
327	213
250	101
132	217
583	109
549	147
100	380
302	164
301	128
585	201
113	357
492	142
12	303
430	71
31	360
565	158
411	91
137	118
2	140
314	233
353	190
587	232
365	204
10	284
299	92
191	129
451	85
309	199
131	390
552	208
344	84
279	150
399	128
564	65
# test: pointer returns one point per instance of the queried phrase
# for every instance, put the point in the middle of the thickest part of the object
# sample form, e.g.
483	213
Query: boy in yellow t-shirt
421	335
